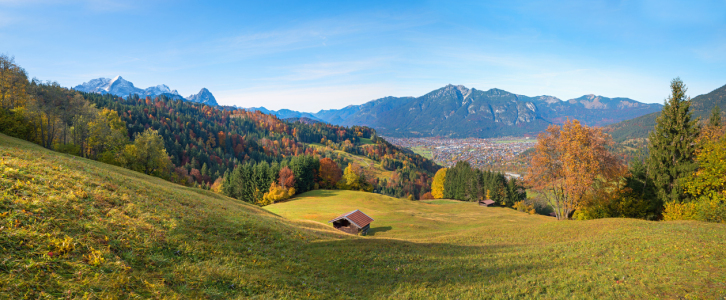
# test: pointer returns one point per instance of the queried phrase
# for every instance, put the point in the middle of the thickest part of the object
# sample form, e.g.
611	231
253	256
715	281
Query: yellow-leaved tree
708	184
147	155
277	193
437	186
351	178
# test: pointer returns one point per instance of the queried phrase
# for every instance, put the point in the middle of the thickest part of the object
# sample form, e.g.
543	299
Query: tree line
462	182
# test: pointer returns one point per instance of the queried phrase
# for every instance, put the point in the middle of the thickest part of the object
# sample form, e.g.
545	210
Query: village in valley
499	154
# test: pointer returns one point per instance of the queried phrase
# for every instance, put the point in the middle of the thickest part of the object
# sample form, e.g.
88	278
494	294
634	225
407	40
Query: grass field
74	228
366	141
423	151
466	251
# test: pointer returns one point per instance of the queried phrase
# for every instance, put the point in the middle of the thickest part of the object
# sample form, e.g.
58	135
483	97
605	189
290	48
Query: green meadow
75	228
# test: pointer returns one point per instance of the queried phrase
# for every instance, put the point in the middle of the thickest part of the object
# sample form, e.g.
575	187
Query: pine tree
672	146
715	119
205	170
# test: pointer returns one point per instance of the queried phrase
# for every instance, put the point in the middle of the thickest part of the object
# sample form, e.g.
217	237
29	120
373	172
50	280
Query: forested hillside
196	144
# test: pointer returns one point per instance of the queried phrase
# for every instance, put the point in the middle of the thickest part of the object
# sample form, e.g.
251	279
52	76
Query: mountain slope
457	111
640	127
75	228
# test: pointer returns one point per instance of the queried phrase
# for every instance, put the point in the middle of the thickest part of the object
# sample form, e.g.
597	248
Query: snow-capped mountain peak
204	96
123	88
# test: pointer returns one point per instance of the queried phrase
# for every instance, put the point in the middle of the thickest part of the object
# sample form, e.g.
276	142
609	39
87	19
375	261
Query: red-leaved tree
287	178
330	173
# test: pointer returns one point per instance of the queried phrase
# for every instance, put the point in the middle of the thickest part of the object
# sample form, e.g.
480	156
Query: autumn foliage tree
708	184
571	162
147	155
351	179
286	178
437	186
330	173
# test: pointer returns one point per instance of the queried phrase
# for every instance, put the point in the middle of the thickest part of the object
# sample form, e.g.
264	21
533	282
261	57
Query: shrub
712	210
277	193
524	207
680	211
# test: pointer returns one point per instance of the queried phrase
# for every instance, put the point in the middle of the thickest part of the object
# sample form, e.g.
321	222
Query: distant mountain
640	127
204	96
457	111
123	88
285	113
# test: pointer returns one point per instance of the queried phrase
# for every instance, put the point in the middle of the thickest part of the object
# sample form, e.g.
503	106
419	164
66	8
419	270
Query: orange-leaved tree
570	162
330	173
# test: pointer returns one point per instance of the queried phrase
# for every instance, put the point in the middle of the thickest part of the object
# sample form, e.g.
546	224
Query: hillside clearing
371	167
74	228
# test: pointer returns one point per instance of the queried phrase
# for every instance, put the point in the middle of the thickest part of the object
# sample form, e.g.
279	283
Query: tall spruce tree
715	119
672	146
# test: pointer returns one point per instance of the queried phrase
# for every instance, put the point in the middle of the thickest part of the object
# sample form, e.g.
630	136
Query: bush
680	211
712	210
524	207
427	196
14	124
277	193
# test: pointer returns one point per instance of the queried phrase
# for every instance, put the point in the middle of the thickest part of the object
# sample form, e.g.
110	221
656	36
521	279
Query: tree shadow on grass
323	193
373	231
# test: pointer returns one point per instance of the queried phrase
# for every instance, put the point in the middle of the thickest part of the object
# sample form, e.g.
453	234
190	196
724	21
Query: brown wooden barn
353	222
487	202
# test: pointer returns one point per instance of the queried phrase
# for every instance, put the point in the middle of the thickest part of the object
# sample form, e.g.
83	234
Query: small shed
487	202
353	222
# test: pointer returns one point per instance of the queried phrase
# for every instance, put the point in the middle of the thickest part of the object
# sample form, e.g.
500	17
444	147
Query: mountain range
123	88
458	111
641	126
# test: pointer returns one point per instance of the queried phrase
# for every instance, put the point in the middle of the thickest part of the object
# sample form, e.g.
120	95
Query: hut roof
357	217
488	201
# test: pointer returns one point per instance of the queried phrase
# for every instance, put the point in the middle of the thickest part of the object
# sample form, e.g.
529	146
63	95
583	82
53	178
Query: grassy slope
156	239
458	249
160	240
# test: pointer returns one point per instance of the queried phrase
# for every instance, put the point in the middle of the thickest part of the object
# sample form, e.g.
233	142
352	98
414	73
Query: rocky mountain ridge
458	111
123	88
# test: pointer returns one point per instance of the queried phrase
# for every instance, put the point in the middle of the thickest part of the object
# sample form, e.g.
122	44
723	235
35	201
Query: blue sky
312	55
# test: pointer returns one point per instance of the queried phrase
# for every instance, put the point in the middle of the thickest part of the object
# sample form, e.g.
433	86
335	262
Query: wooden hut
487	202
353	222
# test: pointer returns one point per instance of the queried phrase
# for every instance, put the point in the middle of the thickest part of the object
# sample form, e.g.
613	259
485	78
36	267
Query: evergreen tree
672	146
715	119
205	170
